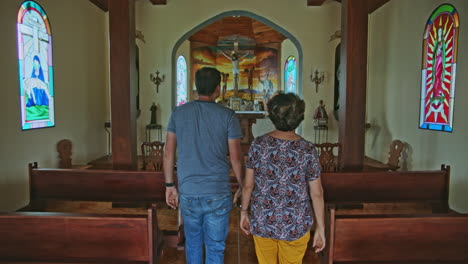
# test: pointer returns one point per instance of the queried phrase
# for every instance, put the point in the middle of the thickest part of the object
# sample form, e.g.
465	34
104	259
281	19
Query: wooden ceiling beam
158	2
315	2
102	4
373	5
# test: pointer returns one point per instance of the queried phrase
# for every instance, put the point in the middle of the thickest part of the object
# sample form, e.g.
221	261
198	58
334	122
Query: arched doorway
236	13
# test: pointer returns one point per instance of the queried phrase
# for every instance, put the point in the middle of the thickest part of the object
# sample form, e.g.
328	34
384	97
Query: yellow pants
270	251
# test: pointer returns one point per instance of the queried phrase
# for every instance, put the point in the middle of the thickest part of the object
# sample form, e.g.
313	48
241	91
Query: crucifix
235	58
157	80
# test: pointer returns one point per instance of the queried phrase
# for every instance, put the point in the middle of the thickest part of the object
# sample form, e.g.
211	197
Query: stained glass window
181	81
439	69
35	67
290	75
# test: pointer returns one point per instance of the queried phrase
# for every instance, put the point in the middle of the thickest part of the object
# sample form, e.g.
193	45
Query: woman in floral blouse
283	174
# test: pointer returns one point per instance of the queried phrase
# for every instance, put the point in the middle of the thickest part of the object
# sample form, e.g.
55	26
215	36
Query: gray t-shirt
202	130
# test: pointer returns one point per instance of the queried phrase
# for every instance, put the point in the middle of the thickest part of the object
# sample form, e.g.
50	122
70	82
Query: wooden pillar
354	22
122	76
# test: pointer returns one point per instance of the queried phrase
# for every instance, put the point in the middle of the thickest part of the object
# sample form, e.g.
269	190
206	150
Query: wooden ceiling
372	4
237	25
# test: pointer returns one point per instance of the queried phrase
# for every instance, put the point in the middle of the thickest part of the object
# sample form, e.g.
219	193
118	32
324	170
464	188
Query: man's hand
237	195
172	197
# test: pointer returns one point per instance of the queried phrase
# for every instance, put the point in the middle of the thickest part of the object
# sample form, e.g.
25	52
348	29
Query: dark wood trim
96	185
102	4
354	22
315	2
158	2
386	187
400	239
74	238
445	205
373	5
331	246
122	76
151	218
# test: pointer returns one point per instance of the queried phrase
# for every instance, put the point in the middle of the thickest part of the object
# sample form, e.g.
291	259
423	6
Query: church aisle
242	252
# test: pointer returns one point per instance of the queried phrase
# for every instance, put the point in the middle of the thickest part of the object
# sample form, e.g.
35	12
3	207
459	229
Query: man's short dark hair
286	111
206	80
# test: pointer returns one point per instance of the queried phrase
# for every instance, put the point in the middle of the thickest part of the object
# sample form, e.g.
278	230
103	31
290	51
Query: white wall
164	25
81	97
395	56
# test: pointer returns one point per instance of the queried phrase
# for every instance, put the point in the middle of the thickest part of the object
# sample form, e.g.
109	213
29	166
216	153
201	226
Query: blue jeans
206	223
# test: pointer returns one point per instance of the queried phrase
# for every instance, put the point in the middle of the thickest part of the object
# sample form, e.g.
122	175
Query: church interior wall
80	58
394	88
164	25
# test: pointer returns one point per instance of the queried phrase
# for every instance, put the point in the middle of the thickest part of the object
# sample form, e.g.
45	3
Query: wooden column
354	21
122	76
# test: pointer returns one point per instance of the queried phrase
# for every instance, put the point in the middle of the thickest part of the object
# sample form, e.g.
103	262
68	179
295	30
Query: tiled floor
239	247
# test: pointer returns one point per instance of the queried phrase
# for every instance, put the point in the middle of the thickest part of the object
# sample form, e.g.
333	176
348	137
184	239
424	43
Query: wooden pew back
96	185
79	238
398	238
387	186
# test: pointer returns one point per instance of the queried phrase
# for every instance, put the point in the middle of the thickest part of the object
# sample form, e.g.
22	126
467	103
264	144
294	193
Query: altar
247	119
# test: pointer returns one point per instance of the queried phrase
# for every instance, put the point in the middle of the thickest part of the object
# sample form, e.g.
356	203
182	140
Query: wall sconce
157	80
317	78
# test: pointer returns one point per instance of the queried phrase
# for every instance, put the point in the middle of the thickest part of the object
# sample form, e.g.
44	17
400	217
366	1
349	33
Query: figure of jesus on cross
235	57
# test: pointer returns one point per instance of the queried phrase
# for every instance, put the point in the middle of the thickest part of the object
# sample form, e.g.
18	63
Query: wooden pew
122	188
341	188
93	185
373	239
79	238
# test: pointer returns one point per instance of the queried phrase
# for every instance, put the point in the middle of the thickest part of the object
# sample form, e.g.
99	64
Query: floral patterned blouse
280	202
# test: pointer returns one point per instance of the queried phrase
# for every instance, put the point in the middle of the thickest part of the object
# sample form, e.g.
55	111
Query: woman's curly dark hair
286	111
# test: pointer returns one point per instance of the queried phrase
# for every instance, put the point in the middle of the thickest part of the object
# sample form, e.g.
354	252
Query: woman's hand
245	222
319	240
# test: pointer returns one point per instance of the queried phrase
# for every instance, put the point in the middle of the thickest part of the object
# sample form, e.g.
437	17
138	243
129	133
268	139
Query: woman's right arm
316	194
246	194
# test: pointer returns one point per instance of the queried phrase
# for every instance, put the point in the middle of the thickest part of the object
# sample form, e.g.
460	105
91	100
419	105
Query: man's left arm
172	196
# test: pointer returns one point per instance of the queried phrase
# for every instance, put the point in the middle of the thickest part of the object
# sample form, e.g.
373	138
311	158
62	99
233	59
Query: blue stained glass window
181	81
35	67
290	75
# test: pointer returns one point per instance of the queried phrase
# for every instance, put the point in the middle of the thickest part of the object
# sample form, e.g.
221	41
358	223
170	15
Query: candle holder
157	80
317	78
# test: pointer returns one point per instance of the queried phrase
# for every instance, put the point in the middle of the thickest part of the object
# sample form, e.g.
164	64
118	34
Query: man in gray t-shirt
203	132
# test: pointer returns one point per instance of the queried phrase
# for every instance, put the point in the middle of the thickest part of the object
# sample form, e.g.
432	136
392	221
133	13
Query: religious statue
153	110
225	77
235	57
267	89
250	73
320	115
